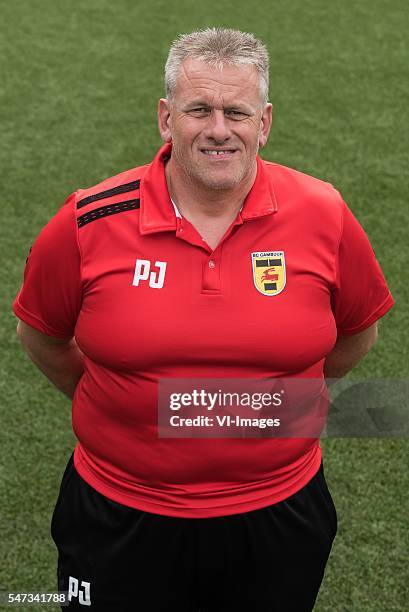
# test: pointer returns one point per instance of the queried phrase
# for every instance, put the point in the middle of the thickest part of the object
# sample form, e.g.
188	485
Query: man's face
216	122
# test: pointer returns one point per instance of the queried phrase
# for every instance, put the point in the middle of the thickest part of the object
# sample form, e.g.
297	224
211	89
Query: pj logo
143	272
82	591
269	271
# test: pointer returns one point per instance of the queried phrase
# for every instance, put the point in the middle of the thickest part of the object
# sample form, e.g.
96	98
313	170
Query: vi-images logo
143	273
83	592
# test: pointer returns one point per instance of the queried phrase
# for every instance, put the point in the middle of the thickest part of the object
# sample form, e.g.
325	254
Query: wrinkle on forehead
196	80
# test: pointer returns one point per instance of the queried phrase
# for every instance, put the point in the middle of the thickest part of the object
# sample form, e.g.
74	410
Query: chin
218	181
221	185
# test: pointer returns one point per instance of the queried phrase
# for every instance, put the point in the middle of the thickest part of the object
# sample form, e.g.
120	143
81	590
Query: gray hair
217	47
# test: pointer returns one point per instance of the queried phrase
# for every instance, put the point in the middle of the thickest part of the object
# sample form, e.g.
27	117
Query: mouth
219	153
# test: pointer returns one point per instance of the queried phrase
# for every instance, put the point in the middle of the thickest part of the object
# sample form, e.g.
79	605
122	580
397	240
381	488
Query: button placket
211	274
187	232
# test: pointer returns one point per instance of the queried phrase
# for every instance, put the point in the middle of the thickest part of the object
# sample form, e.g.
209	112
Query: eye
235	114
200	111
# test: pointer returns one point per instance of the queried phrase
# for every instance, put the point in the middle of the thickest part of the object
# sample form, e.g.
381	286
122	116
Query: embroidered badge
269	271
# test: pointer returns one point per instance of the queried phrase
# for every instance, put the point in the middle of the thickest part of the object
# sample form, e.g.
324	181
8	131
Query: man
208	263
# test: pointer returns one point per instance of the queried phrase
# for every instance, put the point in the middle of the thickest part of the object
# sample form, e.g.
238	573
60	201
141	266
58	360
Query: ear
266	119
164	120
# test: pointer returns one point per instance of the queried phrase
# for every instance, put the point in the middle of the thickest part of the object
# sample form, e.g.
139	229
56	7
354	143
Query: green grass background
79	88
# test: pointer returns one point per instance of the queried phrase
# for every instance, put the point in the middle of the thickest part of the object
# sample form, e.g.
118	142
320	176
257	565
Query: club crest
269	271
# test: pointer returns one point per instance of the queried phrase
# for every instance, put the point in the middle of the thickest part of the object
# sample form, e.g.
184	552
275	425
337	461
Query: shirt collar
158	213
177	213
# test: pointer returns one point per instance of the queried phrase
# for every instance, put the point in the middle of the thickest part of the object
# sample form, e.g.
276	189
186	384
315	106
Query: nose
217	127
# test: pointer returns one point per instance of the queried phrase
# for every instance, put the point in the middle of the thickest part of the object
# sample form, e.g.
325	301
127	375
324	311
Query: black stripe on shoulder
105	211
108	193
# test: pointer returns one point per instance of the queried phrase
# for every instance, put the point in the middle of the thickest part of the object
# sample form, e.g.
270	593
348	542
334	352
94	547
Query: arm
59	359
348	352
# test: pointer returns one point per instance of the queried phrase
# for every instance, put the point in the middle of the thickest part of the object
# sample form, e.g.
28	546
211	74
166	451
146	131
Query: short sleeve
360	295
50	296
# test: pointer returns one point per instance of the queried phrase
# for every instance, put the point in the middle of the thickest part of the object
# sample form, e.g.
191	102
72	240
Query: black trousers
112	557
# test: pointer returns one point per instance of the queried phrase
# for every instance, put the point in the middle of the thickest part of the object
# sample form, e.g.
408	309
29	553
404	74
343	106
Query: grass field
79	89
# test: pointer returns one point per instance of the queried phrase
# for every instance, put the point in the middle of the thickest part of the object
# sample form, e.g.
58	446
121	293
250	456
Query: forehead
197	80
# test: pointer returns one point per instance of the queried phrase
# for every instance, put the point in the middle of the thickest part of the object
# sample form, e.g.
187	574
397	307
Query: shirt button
211	264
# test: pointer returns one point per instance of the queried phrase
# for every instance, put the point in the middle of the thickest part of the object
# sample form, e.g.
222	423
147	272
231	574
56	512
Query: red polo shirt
146	298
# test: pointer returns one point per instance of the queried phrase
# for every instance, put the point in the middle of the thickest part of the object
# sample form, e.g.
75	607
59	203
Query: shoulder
299	182
304	192
125	182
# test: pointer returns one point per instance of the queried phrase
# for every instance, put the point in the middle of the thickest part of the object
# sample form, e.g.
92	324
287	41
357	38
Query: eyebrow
200	103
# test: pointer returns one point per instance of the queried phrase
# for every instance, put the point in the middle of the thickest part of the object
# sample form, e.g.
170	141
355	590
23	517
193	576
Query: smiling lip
218	153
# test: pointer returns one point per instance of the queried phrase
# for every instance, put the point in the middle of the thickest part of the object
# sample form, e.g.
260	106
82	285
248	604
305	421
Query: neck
196	201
